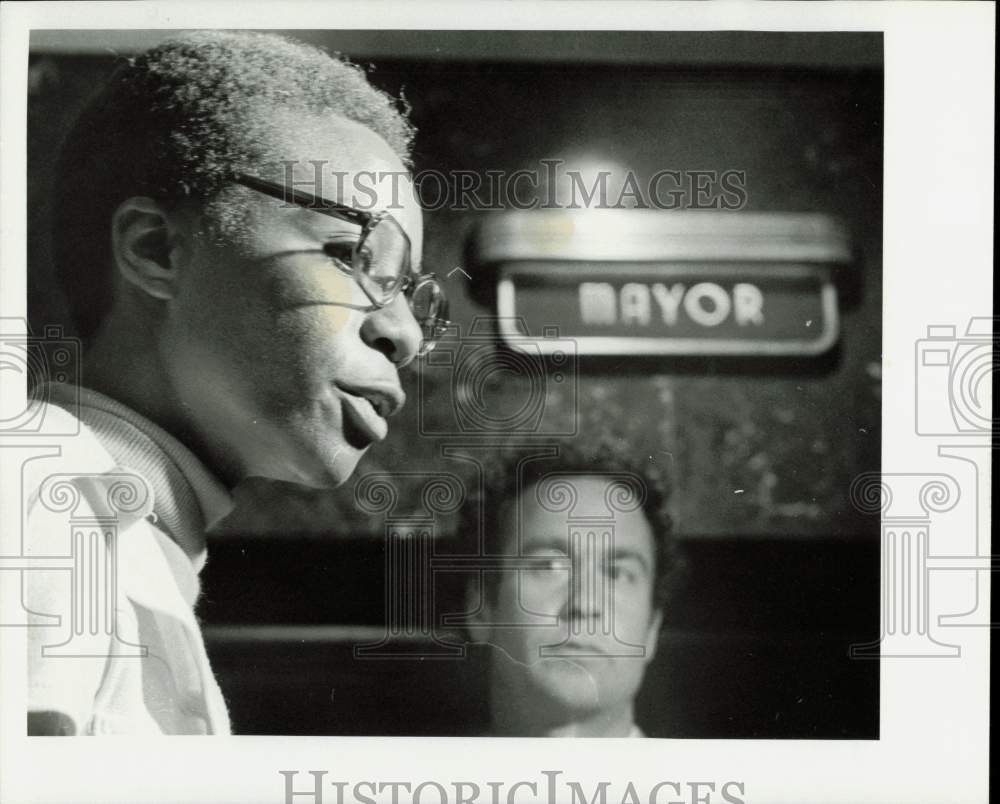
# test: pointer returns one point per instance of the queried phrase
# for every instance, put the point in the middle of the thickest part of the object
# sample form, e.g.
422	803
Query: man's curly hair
174	122
518	469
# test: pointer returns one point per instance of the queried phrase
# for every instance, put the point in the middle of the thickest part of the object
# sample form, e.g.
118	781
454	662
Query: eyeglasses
378	258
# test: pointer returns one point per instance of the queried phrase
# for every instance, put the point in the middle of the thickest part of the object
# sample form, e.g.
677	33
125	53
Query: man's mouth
578	647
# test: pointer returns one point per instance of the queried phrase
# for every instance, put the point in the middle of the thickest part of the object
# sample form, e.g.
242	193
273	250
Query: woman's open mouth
362	422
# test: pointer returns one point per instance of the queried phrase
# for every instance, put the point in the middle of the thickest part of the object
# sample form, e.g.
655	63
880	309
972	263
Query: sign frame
618	345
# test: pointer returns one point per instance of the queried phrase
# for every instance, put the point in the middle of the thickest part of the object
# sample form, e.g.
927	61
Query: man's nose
393	331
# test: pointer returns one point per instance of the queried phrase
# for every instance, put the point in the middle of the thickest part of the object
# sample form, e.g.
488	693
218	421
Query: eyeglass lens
430	309
382	259
382	264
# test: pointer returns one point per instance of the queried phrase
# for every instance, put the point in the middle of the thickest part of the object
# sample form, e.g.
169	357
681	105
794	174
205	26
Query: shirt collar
188	499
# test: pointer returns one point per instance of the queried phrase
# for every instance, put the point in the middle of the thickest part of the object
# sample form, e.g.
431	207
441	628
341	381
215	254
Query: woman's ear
141	245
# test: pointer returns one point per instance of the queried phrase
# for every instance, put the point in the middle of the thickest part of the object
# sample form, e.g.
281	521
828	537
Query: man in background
572	614
235	323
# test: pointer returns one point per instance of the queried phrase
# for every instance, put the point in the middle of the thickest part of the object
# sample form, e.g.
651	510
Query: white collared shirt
130	504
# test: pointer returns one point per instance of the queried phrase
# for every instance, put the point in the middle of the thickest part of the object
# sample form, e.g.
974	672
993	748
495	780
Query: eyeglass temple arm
315	203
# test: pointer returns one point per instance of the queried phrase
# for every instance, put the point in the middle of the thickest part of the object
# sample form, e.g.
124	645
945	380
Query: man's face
576	630
281	365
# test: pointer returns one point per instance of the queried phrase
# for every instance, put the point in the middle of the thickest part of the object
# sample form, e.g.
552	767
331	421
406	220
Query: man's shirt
114	645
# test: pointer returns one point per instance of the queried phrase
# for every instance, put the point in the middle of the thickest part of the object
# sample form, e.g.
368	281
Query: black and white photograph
498	381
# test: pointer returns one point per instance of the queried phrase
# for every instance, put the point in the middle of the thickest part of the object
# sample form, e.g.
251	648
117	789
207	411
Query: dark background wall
784	572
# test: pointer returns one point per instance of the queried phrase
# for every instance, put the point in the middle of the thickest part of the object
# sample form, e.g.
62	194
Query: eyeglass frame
410	281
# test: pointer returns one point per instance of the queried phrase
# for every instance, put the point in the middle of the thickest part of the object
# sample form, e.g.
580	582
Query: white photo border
938	212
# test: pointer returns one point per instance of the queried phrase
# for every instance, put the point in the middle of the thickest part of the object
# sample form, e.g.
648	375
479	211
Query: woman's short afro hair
174	122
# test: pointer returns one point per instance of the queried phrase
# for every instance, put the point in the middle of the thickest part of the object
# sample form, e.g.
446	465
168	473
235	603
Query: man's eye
624	572
550	563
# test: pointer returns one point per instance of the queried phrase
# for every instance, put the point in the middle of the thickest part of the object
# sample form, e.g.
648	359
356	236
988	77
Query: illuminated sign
675	309
687	283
